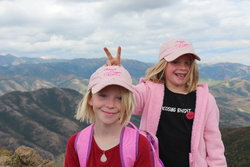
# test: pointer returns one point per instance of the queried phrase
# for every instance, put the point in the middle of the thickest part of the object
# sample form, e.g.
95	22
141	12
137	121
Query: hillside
42	119
237	146
20	83
232	97
24	157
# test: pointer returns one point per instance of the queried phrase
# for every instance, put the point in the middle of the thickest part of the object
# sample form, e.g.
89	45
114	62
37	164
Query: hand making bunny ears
113	60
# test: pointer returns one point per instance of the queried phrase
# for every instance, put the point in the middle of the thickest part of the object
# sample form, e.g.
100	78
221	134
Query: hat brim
106	83
177	54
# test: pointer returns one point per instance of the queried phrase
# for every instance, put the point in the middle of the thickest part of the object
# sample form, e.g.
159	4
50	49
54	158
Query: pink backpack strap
129	146
83	144
153	143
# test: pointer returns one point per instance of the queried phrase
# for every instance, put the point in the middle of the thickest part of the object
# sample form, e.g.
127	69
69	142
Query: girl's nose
184	66
110	103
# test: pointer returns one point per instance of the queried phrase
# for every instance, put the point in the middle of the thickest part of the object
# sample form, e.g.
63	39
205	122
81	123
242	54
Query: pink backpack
128	145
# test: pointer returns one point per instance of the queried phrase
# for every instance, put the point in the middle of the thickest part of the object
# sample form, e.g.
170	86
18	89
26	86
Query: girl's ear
90	101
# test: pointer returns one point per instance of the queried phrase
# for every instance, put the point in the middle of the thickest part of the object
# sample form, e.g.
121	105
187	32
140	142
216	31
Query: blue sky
218	29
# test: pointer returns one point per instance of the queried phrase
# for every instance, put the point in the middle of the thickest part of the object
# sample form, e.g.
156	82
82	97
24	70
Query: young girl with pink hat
182	113
108	105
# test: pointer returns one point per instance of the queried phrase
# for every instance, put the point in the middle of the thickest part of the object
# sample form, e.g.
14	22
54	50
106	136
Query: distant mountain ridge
224	71
16	65
11	60
61	74
79	67
40	73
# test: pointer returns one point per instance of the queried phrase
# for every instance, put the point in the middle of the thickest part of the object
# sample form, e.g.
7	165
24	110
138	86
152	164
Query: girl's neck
107	130
107	136
177	89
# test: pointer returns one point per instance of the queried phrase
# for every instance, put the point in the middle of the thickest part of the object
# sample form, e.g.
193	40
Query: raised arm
116	61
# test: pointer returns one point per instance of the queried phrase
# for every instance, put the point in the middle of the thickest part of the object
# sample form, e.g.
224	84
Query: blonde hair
156	74
86	113
192	78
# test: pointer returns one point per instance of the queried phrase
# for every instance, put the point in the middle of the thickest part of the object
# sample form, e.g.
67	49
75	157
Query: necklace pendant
103	157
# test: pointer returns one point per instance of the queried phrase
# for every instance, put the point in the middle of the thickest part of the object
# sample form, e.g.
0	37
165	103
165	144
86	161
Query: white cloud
77	28
113	7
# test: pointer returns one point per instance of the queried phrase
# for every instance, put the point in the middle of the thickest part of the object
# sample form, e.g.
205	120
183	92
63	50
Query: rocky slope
24	157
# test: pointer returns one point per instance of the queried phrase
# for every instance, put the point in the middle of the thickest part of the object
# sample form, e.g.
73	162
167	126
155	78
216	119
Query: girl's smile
109	113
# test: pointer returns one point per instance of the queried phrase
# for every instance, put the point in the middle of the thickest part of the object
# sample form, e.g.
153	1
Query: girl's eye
119	98
174	62
188	63
102	95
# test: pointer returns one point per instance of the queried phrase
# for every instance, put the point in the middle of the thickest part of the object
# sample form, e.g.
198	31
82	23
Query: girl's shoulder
202	88
143	80
143	144
150	84
143	140
72	139
203	91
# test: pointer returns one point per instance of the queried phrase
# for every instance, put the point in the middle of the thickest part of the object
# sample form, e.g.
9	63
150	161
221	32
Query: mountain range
38	99
27	74
229	82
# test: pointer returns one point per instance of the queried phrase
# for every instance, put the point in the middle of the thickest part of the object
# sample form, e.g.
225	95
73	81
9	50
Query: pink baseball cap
174	48
110	75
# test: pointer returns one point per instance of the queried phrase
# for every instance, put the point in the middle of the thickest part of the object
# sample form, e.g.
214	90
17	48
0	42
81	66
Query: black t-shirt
175	127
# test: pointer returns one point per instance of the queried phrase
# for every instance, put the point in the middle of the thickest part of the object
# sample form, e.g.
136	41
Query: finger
108	63
108	53
118	54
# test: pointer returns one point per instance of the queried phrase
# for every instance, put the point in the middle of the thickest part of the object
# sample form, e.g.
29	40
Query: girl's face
106	105
176	72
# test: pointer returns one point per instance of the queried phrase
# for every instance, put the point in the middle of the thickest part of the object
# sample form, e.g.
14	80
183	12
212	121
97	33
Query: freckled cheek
118	105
